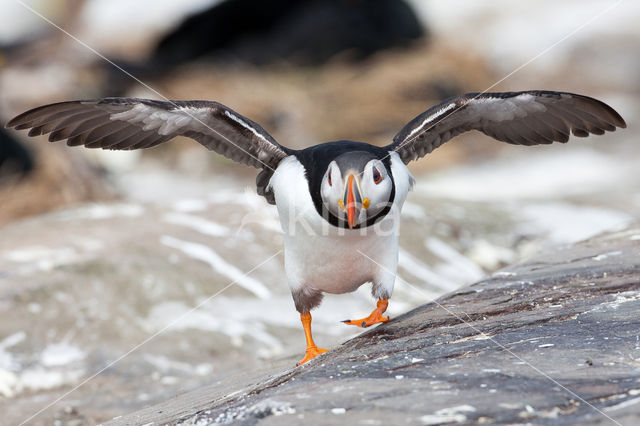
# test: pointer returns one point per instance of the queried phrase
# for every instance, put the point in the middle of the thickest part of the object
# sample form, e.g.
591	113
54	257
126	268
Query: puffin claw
367	322
376	316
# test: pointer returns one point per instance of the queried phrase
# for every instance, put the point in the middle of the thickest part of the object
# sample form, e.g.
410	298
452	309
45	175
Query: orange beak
351	203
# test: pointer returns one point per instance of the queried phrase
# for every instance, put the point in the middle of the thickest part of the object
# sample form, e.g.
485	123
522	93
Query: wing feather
40	116
130	123
523	118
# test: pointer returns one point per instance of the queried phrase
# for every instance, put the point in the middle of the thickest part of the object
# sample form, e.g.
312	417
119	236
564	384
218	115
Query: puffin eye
377	177
329	177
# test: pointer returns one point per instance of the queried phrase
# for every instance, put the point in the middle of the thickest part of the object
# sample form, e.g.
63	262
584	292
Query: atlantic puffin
339	202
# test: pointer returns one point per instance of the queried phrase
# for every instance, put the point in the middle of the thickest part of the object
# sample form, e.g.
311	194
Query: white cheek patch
377	193
499	109
332	194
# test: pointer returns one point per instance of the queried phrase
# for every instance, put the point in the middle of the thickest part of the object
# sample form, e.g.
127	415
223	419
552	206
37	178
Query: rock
553	340
308	33
14	157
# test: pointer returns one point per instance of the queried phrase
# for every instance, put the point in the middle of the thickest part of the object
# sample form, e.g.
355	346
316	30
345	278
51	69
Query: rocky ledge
554	340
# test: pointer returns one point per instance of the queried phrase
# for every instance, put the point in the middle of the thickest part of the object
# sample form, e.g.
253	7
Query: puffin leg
375	317
312	350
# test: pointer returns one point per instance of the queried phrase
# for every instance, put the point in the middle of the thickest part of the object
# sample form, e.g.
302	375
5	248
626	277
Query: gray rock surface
554	340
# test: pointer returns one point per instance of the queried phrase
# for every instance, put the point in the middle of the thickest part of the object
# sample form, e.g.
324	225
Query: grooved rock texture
554	340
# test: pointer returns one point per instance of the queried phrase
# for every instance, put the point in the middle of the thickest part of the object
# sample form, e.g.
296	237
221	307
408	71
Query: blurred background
100	250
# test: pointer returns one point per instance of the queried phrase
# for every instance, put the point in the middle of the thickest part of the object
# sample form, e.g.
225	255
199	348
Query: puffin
339	202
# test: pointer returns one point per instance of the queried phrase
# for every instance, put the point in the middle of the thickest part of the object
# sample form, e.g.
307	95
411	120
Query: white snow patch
458	267
165	364
13	339
35	379
116	162
230	321
190	205
38	378
419	270
247	198
58	354
8	362
8	381
198	224
532	176
490	256
623	298
567	223
624	404
504	274
102	211
448	415
607	255
40	258
510	32
266	221
218	264
41	254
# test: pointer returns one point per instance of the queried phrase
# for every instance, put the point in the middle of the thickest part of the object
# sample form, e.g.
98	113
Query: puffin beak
352	201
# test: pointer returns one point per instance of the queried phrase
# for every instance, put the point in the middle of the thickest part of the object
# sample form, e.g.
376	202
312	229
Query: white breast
330	259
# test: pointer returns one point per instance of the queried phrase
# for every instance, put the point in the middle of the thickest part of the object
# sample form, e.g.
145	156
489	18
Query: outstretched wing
522	118
129	123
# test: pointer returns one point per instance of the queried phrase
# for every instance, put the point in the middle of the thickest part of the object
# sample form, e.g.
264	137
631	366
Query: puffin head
357	187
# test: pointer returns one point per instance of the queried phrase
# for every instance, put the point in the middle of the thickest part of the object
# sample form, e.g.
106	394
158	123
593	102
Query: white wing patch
500	109
245	125
431	118
165	122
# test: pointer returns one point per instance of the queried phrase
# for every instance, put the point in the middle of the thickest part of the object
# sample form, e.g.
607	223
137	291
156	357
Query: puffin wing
523	118
130	123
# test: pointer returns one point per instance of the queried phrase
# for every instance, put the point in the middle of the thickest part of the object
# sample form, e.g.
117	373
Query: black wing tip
17	120
618	121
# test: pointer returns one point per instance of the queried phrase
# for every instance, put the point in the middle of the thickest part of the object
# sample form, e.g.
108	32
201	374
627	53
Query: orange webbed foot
375	317
312	350
311	353
368	321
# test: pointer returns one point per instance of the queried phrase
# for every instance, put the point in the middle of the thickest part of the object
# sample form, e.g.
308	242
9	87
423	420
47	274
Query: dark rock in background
550	341
299	32
305	32
15	159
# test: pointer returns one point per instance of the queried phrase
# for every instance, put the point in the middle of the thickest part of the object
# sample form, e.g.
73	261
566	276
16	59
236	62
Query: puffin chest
333	264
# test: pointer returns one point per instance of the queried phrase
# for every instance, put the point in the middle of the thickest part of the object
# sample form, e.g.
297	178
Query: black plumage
525	118
316	159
